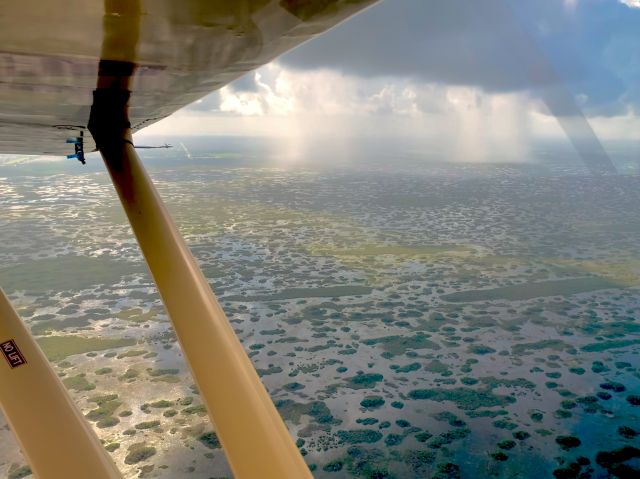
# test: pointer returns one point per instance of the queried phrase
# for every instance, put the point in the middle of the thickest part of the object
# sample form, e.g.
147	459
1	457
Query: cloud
209	103
471	79
570	4
488	44
275	90
328	102
589	50
631	3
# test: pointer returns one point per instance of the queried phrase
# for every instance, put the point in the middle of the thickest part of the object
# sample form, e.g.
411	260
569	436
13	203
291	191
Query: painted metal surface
50	49
254	437
57	446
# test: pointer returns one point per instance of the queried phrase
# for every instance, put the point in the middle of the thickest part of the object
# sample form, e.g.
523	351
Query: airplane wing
50	49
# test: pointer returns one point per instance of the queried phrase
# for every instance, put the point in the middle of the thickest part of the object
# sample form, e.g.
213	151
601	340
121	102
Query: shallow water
459	329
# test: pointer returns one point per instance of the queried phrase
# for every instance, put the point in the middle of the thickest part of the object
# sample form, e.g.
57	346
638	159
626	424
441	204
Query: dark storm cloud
498	45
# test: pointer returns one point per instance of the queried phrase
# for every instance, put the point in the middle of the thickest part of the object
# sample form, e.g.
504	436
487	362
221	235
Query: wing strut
56	440
255	439
253	435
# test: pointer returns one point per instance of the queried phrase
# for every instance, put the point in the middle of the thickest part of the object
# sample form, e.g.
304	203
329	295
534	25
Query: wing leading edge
185	50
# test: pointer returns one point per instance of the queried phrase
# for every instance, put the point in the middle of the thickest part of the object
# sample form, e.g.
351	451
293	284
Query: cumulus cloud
275	90
631	3
328	102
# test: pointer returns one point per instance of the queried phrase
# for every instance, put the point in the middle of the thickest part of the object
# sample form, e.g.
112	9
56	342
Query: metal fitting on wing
78	143
109	119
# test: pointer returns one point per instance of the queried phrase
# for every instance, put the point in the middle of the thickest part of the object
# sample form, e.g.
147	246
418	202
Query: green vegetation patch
568	442
598	367
367	421
163	372
376	250
397	345
480	349
393	439
372	402
499	456
418	461
65	273
367	463
166	379
408	368
103	399
438	367
43	327
465	398
519	292
78	383
139	452
506	444
129	374
291	387
504	424
633	399
364	381
605	345
147	424
553	344
112	447
628	432
616	462
198	409
57	348
108	422
450	418
137	315
449	437
19	472
270	370
107	405
210	440
333	466
492	383
303	293
293	411
132	353
359	436
447	470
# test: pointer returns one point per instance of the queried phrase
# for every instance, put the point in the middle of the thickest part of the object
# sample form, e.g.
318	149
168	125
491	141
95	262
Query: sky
472	77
